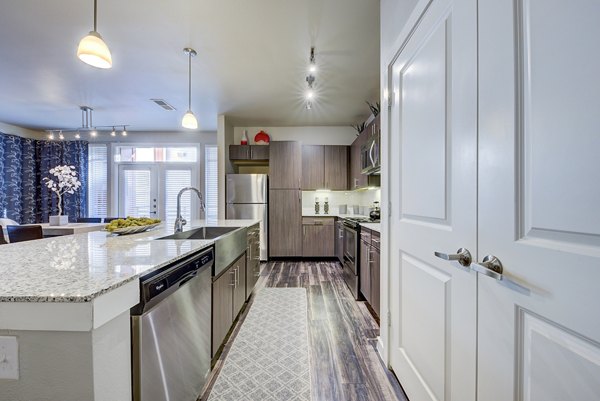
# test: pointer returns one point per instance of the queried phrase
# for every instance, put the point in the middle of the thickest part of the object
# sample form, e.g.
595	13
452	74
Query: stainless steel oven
351	256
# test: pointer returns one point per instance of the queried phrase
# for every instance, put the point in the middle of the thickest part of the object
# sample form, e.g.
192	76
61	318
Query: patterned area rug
268	360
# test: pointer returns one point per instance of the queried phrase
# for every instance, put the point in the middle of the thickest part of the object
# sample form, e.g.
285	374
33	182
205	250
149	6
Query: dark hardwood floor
343	335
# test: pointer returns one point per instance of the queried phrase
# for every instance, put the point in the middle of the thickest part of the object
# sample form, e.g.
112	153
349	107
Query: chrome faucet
180	221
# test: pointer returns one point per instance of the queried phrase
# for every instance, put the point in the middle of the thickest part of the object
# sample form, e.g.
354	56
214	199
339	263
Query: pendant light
189	119
92	50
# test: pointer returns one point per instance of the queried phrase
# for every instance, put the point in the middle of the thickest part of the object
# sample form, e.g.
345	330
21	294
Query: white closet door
433	139
539	200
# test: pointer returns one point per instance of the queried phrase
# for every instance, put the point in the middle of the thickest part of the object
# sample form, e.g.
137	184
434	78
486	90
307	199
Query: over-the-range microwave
370	155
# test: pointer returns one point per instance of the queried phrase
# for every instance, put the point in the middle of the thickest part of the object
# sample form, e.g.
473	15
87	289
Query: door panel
538	200
285	222
336	167
285	165
313	167
433	125
138	191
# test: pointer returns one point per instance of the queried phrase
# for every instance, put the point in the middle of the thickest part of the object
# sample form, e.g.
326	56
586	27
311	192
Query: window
211	166
148	154
97	180
175	180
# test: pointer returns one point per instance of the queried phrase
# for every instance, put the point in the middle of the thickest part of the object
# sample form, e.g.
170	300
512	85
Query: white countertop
81	267
372	226
68	229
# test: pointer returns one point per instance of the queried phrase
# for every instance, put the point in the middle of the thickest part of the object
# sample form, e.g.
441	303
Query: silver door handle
492	267
232	272
463	256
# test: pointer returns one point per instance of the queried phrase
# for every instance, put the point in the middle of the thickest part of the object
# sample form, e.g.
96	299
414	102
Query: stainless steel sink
202	233
230	243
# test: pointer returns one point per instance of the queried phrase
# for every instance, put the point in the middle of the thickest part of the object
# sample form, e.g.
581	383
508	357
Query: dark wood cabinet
336	167
325	167
239	152
252	259
248	152
357	178
370	274
313	173
239	287
259	152
228	297
285	222
318	236
222	307
285	165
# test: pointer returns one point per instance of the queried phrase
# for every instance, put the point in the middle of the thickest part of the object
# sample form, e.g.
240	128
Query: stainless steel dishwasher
171	331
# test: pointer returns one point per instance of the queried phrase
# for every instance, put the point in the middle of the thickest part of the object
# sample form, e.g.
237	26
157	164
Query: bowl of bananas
131	225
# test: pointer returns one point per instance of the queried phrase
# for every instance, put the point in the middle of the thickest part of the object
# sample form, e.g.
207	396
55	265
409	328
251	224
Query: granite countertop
81	267
372	226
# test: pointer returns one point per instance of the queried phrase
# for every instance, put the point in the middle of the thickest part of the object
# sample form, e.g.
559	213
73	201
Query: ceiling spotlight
113	133
312	65
61	136
189	120
77	135
124	133
51	135
310	94
310	80
308	105
92	50
93	133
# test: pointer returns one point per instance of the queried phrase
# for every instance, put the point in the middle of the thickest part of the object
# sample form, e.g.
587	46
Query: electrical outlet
9	358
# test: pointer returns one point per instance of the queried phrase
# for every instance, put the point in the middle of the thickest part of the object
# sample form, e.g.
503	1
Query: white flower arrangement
65	181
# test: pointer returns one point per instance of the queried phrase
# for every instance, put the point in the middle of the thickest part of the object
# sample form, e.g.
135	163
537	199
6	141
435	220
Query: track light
189	120
113	133
92	50
61	136
124	132
93	133
312	63
77	135
51	135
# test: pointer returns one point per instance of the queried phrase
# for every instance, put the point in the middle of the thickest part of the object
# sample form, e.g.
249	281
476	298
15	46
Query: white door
433	130
151	190
138	190
539	199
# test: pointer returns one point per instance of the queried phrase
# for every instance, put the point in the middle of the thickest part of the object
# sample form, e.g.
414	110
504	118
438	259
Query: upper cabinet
336	167
324	167
248	152
285	165
358	179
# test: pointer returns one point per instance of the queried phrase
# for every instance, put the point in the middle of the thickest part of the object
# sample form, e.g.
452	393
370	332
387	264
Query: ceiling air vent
163	104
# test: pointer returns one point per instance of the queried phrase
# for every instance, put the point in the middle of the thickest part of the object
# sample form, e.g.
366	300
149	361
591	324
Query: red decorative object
245	138
262	136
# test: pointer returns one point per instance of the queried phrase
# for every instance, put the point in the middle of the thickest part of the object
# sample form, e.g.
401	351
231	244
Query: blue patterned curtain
24	163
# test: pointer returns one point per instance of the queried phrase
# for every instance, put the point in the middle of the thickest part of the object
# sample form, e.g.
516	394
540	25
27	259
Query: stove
355	221
351	258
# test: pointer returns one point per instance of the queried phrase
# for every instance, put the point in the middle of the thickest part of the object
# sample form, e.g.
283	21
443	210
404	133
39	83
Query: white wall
225	137
20	131
307	135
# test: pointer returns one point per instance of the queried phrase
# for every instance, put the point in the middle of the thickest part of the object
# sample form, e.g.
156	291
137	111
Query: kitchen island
68	300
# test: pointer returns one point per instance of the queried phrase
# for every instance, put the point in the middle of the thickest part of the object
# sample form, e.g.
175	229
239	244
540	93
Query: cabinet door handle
232	272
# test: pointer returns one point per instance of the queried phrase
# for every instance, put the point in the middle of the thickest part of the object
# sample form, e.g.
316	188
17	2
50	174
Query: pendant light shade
189	120
92	50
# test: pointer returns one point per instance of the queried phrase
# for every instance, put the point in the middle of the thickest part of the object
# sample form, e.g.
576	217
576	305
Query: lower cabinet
285	222
370	274
252	259
229	295
318	236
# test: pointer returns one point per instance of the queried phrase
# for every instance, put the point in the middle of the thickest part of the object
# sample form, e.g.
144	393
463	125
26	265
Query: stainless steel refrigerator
247	198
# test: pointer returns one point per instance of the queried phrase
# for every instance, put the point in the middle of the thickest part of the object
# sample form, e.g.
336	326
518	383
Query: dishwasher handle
188	277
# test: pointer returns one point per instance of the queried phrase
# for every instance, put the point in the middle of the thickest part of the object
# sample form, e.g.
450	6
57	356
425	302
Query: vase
59	220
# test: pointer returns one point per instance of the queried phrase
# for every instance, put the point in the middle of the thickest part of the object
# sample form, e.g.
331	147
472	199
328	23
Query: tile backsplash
363	199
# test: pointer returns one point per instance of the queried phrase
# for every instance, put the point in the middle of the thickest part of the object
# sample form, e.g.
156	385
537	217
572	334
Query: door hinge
389	209
390	100
389	317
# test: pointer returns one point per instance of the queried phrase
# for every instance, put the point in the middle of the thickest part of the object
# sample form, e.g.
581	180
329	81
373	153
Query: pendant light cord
95	14
190	80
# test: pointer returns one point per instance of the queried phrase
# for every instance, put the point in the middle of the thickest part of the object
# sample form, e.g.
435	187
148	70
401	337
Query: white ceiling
251	63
